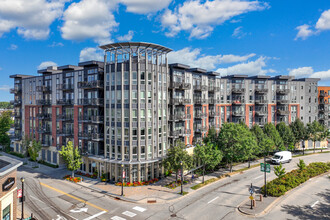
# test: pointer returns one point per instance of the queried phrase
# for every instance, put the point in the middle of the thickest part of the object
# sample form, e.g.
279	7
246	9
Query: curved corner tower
136	117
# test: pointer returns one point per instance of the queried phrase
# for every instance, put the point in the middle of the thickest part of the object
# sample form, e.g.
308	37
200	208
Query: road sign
19	193
123	174
251	197
264	168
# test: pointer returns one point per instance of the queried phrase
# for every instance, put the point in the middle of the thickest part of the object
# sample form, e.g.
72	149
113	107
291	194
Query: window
6	213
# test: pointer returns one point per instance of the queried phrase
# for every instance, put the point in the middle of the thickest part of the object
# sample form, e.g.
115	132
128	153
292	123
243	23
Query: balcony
213	89
200	87
65	102
16	90
238	114
64	132
282	91
91	102
213	113
261	113
67	87
238	90
18	126
46	143
64	117
178	116
282	101
44	102
85	136
17	114
98	137
323	117
85	119
323	94
213	101
184	132
261	90
97	84
283	112
98	119
44	116
325	110
45	89
261	123
44	130
200	129
200	114
238	102
17	137
200	101
261	101
16	102
179	101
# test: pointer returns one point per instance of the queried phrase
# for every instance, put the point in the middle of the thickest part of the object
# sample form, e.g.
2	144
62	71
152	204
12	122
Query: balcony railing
238	90
261	113
44	116
200	114
44	130
180	85
65	102
200	101
261	101
238	102
18	126
261	123
64	117
17	115
323	94
282	91
67	86
261	90
44	102
213	89
45	89
17	137
16	90
64	132
178	116
213	113
85	135
85	118
91	101
16	102
213	101
238	113
283	112
97	84
282	101
200	129
98	137
98	119
46	143
179	101
200	87
323	110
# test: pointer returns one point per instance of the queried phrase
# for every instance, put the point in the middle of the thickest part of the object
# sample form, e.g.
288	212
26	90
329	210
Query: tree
71	157
211	136
5	123
26	142
175	154
234	140
286	134
207	155
266	144
279	171
34	150
301	165
299	131
315	132
272	133
5	105
259	135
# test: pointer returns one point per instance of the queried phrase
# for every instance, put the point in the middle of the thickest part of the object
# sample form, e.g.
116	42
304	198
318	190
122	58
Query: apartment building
324	105
125	112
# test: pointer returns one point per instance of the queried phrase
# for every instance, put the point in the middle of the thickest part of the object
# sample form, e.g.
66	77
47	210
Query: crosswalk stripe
117	218
129	214
140	209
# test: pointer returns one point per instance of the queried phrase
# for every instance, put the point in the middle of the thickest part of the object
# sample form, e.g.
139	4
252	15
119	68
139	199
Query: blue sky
228	36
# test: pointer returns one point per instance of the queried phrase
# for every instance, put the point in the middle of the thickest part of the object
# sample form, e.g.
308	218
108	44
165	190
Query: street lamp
22	180
181	177
303	147
122	180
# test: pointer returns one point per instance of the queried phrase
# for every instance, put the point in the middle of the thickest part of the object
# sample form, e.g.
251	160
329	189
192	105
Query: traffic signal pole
265	194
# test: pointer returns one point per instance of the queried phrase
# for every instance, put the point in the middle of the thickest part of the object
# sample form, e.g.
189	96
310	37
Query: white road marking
96	215
314	203
140	209
213	200
60	218
129	214
258	177
79	210
117	218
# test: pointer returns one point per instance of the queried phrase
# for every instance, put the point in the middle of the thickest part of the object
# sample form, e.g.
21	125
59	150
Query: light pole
265	194
122	180
303	147
22	180
181	177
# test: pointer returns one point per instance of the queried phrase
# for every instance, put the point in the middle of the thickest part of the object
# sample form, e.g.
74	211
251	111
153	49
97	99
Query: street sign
251	197
19	193
264	168
123	174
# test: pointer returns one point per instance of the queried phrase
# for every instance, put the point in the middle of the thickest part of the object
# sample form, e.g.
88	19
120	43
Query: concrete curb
276	201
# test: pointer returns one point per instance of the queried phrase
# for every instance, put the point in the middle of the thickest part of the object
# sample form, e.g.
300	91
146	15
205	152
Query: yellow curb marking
73	197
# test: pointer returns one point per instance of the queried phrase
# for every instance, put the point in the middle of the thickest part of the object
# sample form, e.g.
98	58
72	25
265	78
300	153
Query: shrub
48	164
279	170
16	154
301	165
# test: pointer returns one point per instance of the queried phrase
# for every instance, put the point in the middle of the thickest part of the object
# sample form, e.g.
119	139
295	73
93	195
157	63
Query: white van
282	157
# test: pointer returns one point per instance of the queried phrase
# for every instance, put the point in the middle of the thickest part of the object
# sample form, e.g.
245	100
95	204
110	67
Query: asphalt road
56	199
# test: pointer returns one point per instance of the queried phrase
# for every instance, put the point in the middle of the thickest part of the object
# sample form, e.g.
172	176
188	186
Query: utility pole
22	180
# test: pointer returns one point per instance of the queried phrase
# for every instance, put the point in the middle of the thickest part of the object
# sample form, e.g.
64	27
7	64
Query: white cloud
56	44
31	18
308	72
323	24
145	6
250	68
4	88
46	64
304	32
199	18
89	19
91	53
194	58
13	47
127	37
238	33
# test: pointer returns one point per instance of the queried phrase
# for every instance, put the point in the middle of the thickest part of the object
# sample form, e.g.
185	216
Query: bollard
261	198
254	203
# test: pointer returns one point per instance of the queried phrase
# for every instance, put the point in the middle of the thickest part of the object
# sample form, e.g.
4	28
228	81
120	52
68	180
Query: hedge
48	164
16	154
280	186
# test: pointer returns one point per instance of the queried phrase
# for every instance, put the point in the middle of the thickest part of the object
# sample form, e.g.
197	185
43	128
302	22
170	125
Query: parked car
282	157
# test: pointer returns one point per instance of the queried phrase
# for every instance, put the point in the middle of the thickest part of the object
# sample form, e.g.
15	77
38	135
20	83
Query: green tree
71	157
286	134
211	136
5	123
34	150
301	165
271	132
299	131
175	154
234	140
267	145
5	105
279	171
208	155
315	132
26	142
259	135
